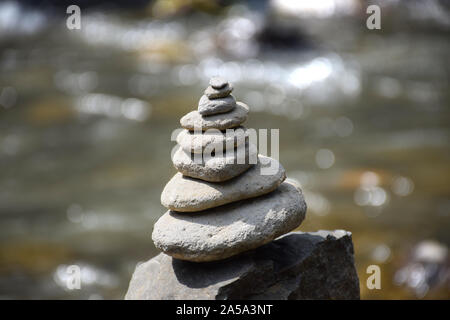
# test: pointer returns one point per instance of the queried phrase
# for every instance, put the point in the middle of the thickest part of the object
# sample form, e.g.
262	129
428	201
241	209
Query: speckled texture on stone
298	265
213	93
224	231
185	194
222	121
218	82
215	168
208	107
211	139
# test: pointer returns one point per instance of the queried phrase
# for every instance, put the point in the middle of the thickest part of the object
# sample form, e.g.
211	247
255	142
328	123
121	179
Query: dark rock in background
299	265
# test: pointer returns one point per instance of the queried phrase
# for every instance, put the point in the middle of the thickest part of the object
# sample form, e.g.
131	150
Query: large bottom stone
299	265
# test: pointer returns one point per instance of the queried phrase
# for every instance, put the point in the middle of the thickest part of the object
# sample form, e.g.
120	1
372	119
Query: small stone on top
212	93
218	82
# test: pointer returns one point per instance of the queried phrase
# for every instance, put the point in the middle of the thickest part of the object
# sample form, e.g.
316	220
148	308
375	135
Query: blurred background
86	117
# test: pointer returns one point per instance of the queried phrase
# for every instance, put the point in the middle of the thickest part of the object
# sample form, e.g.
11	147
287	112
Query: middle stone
221	121
192	142
215	168
208	106
184	194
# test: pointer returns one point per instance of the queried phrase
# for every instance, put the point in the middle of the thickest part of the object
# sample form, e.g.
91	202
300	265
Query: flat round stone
208	107
212	93
192	142
215	168
228	230
184	194
218	82
222	121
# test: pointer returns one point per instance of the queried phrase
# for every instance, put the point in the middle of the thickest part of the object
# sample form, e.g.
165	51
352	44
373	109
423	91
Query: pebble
215	168
211	139
218	82
222	121
185	194
212	93
208	107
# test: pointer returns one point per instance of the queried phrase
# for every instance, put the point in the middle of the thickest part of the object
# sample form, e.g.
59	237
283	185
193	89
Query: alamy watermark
73	278
73	22
374	280
374	20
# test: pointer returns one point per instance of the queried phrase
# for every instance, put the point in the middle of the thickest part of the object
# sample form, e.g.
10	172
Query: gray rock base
298	265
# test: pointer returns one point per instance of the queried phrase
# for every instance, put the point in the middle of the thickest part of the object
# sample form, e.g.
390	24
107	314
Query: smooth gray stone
209	107
299	265
215	168
228	230
184	194
217	82
192	142
212	93
231	119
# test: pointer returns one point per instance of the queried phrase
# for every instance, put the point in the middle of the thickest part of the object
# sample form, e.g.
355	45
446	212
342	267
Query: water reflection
427	270
114	107
8	97
15	20
317	9
89	276
325	158
86	119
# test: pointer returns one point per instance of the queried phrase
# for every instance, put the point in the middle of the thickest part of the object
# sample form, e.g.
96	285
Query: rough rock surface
211	139
222	121
299	265
208	106
218	82
224	231
213	93
215	168
185	194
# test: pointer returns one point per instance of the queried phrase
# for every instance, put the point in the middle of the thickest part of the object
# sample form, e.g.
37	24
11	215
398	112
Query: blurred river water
86	117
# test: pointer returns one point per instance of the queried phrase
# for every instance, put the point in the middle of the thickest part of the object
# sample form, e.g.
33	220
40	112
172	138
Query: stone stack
220	203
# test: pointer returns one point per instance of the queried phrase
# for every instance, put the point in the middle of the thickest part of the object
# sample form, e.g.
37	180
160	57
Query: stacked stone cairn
224	200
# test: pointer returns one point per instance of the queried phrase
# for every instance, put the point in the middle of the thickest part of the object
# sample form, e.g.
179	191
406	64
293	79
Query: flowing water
86	118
